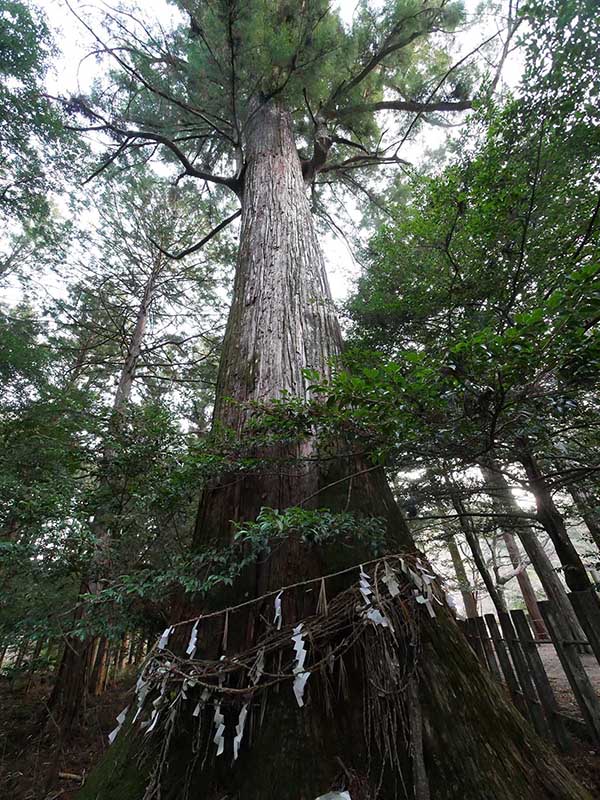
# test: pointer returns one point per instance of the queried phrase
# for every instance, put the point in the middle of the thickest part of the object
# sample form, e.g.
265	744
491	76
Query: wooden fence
511	653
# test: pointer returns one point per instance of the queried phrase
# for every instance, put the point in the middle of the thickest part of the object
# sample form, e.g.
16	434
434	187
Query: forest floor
558	679
34	765
584	761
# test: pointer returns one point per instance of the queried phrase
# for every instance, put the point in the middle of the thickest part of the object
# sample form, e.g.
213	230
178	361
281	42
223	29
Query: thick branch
321	147
201	243
403	105
131	135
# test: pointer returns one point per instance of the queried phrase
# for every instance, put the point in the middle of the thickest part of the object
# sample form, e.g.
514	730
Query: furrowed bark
475	745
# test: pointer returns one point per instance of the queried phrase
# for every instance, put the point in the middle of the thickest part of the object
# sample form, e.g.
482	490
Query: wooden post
522	668
507	668
586	697
587	608
488	648
542	684
474	639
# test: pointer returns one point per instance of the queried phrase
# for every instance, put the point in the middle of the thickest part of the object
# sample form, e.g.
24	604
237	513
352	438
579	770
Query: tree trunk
575	574
589	508
21	653
525	585
97	678
475	745
77	669
468	597
34	656
505	503
473	541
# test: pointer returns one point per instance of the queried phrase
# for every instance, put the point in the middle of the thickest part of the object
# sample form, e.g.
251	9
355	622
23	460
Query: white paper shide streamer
219	739
164	639
142	689
239	730
424	596
301	675
390	581
278	620
120	719
335	796
191	648
373	614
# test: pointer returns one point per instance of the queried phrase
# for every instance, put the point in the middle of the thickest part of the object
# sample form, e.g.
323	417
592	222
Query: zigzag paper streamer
219	721
301	675
120	719
278	620
163	641
239	730
191	648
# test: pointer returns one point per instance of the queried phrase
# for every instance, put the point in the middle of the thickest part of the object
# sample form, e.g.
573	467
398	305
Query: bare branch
201	243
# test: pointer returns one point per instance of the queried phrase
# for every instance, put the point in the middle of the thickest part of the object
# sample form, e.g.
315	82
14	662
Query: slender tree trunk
468	597
589	508
525	585
36	654
76	671
505	503
473	541
475	745
133	644
575	574
97	679
21	653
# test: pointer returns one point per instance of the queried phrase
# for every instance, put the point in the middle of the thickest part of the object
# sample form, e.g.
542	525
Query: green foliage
114	609
34	147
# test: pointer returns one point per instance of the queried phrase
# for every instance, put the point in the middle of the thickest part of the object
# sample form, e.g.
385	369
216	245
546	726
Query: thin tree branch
201	243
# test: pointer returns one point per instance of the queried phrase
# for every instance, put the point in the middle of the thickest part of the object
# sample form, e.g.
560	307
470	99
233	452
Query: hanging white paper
278	620
141	691
120	719
152	721
371	613
239	730
365	586
219	739
299	648
299	684
191	648
378	618
390	581
162	642
301	675
416	579
335	796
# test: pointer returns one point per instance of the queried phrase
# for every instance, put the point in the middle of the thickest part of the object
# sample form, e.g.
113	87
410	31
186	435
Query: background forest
456	174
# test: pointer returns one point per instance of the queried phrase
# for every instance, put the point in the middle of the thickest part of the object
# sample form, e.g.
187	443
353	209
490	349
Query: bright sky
76	71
